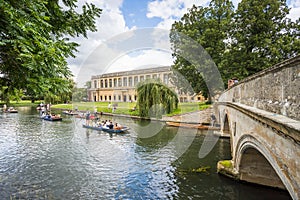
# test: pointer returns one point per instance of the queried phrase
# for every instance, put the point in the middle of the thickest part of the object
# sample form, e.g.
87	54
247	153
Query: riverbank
196	117
189	120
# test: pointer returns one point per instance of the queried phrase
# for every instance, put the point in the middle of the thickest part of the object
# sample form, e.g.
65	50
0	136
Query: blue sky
122	16
135	14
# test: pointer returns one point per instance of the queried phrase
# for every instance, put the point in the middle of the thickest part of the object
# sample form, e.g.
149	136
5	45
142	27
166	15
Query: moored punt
69	113
197	126
106	129
83	116
11	111
51	118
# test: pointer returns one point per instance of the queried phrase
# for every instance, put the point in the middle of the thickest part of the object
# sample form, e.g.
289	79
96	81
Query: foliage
21	103
189	107
14	95
155	99
207	27
226	163
262	36
241	42
79	94
35	43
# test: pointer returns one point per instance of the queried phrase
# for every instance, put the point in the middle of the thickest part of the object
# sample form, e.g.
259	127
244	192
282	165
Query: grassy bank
127	108
21	103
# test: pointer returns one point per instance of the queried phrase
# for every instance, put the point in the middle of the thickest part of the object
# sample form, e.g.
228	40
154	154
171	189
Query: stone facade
276	89
121	86
265	147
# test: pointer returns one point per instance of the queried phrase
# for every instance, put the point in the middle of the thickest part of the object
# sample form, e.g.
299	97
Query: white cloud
171	10
127	51
295	3
294	14
110	23
295	11
143	58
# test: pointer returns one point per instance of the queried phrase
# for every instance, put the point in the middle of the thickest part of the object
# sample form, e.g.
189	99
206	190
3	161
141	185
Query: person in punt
117	126
111	126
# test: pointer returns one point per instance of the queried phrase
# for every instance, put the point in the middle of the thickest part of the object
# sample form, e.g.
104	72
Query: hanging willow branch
155	99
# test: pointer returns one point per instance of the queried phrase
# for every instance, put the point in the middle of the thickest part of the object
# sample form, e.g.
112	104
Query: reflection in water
87	132
62	160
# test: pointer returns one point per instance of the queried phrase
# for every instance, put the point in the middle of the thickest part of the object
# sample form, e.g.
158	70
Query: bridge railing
276	89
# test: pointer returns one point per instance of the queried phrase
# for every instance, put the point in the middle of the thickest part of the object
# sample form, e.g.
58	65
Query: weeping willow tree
155	99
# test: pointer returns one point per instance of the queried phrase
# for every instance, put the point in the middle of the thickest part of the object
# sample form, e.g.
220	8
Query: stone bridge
262	116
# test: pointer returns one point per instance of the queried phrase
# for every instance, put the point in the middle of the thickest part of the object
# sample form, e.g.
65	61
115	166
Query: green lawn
126	108
21	103
122	108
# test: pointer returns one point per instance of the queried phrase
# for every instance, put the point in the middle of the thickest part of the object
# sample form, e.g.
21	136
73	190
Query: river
62	160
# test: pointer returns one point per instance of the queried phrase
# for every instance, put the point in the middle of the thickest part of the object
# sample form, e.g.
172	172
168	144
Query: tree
35	43
209	28
255	36
262	36
80	94
155	99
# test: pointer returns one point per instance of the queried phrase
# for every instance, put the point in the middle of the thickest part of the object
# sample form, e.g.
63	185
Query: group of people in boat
46	113
103	124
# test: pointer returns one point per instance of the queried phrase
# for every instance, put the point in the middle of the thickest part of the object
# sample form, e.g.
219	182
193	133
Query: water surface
61	160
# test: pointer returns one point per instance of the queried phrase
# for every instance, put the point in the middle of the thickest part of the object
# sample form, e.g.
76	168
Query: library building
121	86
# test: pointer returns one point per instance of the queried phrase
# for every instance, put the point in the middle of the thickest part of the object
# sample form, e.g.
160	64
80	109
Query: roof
134	72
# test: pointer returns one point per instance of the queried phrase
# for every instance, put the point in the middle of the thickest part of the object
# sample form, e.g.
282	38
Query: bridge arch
256	164
226	126
262	115
225	122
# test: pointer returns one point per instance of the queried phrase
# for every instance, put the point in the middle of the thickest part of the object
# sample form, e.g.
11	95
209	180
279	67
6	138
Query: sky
104	51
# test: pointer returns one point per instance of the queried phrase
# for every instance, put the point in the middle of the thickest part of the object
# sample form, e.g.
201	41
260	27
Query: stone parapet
276	89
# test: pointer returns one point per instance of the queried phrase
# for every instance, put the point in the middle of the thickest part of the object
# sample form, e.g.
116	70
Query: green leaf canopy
35	43
155	99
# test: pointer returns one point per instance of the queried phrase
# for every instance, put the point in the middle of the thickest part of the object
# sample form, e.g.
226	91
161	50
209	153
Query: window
95	84
125	82
148	76
130	81
141	78
166	78
119	82
115	82
136	80
105	83
101	83
154	76
110	82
